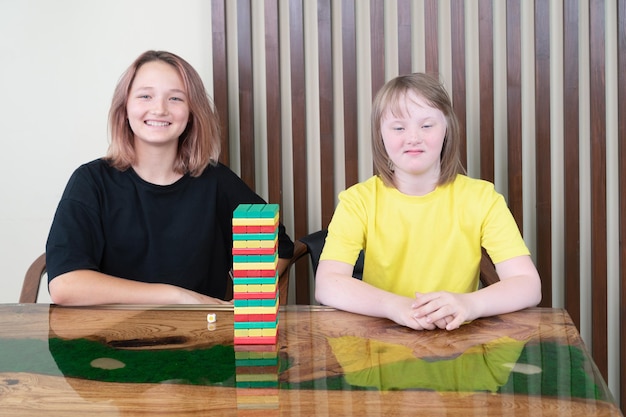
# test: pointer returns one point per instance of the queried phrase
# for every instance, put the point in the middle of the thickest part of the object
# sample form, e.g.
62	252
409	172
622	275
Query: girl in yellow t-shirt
421	223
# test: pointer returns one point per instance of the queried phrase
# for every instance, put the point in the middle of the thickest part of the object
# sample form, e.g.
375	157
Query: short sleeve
76	239
347	229
501	236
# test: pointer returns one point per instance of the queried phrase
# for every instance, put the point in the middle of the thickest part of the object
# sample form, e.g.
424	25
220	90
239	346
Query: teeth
159	124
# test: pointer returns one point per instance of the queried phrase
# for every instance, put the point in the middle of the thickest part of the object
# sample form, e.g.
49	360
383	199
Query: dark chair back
315	243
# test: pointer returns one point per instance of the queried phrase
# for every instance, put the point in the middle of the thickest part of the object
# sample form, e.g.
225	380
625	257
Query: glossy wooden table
128	361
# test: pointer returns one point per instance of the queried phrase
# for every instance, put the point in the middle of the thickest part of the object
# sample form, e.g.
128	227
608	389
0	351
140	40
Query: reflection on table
138	360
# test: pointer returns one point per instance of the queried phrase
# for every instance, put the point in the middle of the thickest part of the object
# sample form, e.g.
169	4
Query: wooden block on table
255	317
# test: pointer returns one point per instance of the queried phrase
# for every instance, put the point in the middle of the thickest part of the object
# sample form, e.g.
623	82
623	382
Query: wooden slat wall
598	182
300	134
571	132
514	109
621	135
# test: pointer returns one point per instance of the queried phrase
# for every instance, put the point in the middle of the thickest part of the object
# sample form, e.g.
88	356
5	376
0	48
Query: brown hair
199	144
391	97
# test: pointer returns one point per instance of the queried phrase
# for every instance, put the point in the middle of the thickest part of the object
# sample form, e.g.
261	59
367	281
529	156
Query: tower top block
256	211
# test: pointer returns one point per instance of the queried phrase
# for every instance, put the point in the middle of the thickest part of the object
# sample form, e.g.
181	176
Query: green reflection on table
563	370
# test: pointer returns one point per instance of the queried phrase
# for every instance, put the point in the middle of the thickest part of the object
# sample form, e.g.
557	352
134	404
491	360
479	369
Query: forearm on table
85	287
507	295
347	293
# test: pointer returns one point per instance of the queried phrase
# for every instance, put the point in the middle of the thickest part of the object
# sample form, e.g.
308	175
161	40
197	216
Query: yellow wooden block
269	331
257	377
254	333
257	243
268	287
252	221
242	288
265	266
256	310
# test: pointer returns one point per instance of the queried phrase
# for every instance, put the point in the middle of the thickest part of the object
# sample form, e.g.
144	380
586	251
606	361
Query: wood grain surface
305	354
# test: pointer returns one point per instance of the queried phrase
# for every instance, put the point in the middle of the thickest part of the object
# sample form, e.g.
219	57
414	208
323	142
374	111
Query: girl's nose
414	136
159	107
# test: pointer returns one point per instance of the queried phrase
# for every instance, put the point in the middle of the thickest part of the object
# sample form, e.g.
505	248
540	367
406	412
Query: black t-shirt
114	222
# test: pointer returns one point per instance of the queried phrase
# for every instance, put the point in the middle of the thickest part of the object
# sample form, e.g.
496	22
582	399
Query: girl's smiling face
413	136
157	106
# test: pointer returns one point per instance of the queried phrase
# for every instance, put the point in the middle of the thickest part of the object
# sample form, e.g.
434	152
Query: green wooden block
241	211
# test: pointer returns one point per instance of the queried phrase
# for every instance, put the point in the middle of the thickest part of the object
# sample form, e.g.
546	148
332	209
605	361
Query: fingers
454	324
428	305
443	323
425	324
429	312
442	310
423	299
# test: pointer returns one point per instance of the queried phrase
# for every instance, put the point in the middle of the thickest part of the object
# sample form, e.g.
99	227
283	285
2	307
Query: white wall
59	63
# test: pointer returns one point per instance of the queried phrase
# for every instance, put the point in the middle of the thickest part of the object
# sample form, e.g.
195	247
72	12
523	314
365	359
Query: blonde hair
392	97
198	145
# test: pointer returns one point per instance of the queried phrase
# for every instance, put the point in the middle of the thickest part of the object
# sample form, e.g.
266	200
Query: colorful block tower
255	286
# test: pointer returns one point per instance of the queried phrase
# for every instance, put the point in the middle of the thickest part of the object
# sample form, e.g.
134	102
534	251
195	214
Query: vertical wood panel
300	61
457	22
220	73
246	93
514	109
351	139
598	185
431	26
298	127
404	37
543	175
571	185
621	136
485	54
274	117
326	97
377	41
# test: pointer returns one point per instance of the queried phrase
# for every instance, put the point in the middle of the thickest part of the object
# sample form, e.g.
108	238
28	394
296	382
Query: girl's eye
143	96
427	126
176	99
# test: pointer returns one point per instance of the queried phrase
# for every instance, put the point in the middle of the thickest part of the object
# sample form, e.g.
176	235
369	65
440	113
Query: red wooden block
254	295
255	251
260	340
259	348
255	370
241	273
240	229
255	317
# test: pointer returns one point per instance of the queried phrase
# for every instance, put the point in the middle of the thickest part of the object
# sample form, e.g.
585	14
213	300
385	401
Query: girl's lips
157	123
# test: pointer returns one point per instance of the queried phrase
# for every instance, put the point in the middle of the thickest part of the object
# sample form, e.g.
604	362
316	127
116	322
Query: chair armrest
32	280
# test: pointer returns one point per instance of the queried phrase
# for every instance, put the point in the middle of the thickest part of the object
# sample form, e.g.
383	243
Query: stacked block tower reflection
256	301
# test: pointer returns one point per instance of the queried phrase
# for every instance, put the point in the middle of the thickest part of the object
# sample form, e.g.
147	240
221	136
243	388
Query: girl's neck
156	165
415	186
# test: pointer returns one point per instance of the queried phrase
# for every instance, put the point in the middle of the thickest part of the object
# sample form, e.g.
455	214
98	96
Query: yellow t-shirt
425	243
